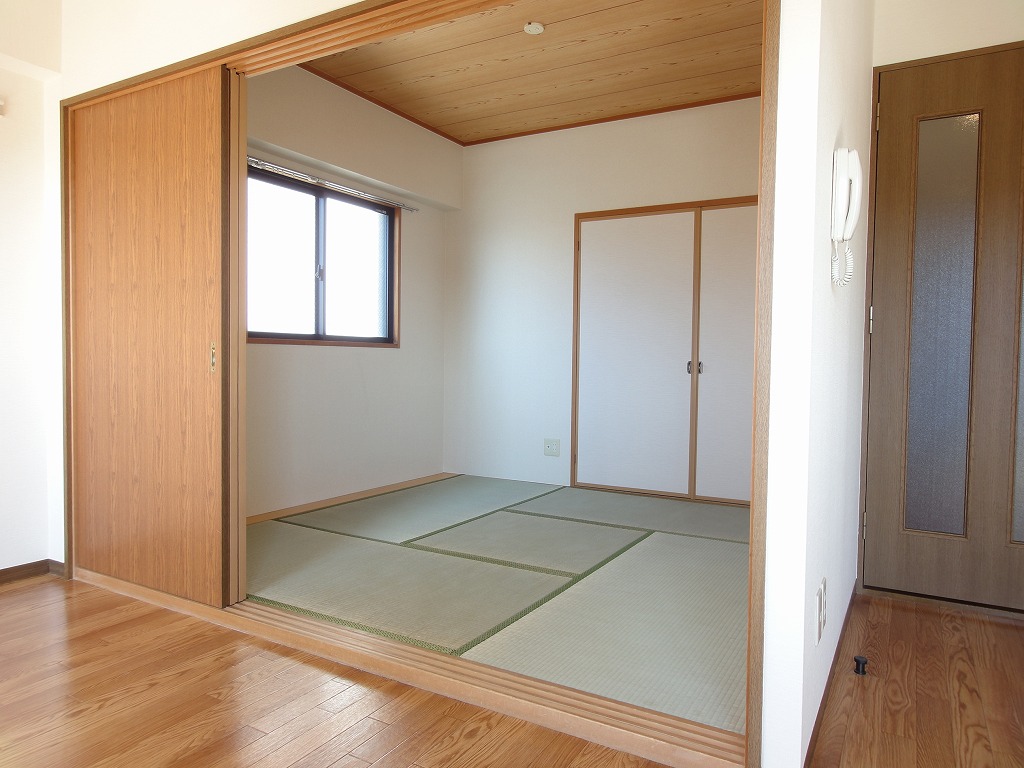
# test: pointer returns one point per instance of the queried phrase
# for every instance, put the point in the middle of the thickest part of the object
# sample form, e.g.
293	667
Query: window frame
318	282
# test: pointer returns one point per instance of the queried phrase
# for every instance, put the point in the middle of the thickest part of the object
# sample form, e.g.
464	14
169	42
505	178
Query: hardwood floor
91	678
944	687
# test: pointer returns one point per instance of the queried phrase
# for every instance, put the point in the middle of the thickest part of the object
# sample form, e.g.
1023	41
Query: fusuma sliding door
150	335
665	349
725	397
634	336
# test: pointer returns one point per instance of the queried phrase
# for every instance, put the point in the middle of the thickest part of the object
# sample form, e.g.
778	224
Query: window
321	264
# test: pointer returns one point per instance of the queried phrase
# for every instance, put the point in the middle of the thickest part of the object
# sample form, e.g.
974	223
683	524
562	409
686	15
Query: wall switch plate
552	447
821	612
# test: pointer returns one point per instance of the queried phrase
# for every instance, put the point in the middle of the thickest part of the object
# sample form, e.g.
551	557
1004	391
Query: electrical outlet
552	447
821	610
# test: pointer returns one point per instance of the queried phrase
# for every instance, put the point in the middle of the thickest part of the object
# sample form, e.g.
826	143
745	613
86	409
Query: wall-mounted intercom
847	188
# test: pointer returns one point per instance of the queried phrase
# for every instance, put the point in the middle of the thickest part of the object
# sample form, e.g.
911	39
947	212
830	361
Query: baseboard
28	570
356	496
652	735
831	681
939	602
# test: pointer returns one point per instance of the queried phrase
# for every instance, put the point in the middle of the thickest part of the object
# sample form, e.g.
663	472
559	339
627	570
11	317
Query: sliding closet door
634	343
147	254
725	399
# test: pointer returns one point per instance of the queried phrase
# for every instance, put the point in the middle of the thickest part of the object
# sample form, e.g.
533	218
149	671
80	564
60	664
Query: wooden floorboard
944	689
91	678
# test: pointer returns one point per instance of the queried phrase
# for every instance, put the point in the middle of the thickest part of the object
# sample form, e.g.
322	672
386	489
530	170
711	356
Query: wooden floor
944	687
91	678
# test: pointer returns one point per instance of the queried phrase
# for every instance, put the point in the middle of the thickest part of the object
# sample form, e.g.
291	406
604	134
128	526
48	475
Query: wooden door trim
762	379
67	202
235	343
663	494
956	55
869	269
653	210
695	363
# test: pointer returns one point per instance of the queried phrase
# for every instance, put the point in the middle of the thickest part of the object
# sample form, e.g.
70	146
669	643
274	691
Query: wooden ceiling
482	78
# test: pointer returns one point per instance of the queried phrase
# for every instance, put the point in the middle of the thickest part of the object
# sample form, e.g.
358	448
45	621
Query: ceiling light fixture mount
533	28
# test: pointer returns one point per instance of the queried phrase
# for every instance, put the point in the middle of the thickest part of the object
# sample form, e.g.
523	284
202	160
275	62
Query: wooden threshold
355	496
652	735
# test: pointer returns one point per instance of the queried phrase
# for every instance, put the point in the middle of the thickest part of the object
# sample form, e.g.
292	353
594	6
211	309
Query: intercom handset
847	188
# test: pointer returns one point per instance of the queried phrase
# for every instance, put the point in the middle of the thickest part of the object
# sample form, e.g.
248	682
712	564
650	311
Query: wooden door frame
372	20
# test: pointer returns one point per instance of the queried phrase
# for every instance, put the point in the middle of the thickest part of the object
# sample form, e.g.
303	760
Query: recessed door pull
213	357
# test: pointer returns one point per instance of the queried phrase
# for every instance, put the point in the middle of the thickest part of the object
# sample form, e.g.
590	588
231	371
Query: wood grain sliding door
148	255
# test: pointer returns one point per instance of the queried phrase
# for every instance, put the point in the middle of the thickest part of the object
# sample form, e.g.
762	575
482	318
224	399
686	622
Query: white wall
915	29
326	421
106	41
31	440
293	108
816	365
509	324
30	34
26	287
827	50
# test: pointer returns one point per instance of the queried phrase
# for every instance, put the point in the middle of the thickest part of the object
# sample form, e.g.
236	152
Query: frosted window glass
356	302
281	256
941	322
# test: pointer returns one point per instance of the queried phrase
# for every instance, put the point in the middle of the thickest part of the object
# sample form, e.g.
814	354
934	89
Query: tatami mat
434	600
414	512
543	542
715	521
662	626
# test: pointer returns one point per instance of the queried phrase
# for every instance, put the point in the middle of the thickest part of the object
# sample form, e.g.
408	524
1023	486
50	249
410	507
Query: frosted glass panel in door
725	388
635	339
942	324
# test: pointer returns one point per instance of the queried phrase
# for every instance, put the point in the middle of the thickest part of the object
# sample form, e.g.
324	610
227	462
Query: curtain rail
263	165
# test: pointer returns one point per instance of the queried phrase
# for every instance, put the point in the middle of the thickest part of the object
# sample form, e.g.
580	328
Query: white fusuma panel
635	340
726	385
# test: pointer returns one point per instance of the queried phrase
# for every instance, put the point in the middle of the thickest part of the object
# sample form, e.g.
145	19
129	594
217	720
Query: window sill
323	342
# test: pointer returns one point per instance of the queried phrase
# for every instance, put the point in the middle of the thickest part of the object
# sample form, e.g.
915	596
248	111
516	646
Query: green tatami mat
438	601
542	542
413	512
662	626
692	518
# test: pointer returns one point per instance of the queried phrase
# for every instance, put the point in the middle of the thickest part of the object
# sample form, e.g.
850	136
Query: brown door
148	338
942	516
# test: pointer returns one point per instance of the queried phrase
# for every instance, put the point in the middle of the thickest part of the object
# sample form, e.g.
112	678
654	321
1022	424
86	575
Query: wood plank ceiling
482	78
